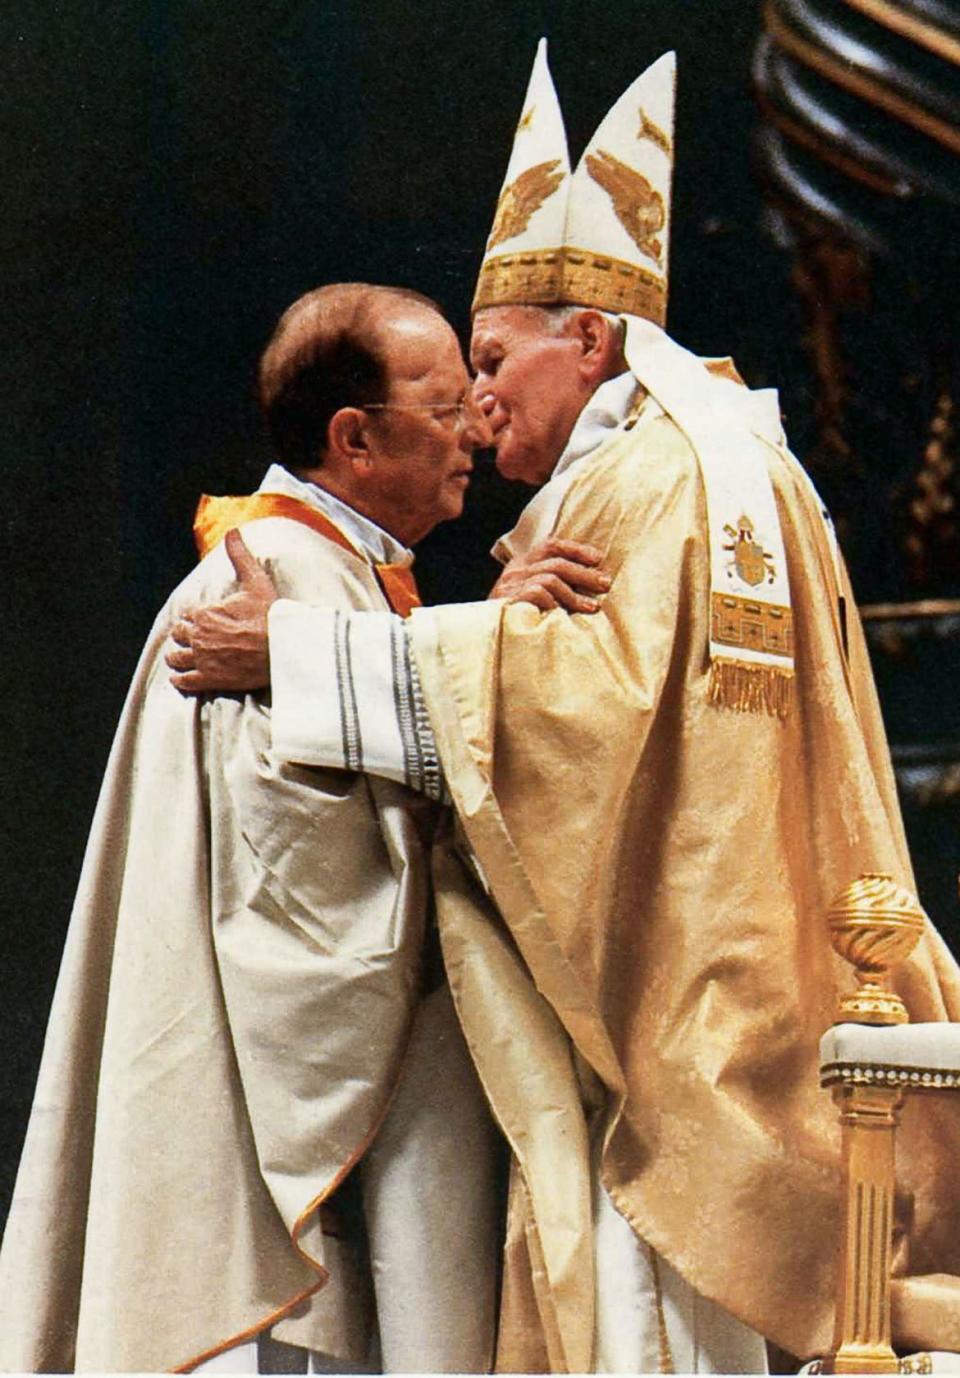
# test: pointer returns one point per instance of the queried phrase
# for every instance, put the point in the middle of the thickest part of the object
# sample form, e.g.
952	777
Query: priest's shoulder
302	563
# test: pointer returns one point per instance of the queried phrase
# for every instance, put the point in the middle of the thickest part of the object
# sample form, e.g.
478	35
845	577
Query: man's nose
477	432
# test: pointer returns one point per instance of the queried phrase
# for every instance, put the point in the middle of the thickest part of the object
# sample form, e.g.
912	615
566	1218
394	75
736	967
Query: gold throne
871	1059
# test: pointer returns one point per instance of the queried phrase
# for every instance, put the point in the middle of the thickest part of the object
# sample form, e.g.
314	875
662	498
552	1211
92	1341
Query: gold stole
218	515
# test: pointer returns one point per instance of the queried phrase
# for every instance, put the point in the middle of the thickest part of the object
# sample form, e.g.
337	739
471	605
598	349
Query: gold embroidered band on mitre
571	277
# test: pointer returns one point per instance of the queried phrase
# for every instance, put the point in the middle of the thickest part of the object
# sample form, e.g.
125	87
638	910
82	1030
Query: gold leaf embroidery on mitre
526	119
653	132
521	198
636	205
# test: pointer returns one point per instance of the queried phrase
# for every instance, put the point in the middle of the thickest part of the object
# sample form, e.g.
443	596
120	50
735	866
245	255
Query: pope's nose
477	432
482	394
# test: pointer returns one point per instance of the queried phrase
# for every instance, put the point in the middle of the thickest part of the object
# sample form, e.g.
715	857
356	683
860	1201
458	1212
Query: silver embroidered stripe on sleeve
404	707
434	784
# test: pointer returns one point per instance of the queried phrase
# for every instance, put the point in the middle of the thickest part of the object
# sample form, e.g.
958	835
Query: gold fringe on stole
750	688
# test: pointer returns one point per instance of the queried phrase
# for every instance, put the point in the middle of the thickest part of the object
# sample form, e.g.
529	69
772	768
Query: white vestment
246	1016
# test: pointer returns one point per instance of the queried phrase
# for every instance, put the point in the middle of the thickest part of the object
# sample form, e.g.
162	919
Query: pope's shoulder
636	473
654	462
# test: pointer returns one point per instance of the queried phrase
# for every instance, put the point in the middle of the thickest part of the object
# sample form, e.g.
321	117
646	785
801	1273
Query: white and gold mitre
601	236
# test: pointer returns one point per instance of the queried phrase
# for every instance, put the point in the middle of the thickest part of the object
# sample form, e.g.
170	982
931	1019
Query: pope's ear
599	342
347	436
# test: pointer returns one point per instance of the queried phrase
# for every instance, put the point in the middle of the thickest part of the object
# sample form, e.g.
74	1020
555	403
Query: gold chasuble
663	865
236	995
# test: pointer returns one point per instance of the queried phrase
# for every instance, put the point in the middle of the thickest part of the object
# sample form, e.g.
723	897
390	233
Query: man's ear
347	438
599	343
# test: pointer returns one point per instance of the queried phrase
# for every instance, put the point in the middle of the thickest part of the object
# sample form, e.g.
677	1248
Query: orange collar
218	515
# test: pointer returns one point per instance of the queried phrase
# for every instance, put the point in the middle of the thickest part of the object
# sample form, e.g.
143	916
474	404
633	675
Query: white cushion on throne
921	1056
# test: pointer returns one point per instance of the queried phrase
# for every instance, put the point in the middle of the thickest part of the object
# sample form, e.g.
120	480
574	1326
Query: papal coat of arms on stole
750	560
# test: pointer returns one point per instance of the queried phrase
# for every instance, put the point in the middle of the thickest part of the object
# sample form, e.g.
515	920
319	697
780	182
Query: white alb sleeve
346	694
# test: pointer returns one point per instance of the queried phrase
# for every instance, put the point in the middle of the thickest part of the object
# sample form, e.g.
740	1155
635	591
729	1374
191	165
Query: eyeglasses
460	411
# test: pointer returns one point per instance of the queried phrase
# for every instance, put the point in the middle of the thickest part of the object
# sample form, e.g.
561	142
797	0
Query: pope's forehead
501	324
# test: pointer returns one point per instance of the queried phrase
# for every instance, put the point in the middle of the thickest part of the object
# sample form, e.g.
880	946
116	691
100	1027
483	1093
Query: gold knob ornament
874	925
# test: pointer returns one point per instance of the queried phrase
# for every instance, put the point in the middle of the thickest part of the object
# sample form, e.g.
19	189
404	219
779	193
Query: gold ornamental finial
874	925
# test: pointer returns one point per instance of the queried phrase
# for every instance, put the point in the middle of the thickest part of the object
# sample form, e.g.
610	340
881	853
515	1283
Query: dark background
175	174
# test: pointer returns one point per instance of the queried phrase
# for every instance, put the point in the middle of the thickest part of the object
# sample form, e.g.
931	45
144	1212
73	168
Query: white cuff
346	695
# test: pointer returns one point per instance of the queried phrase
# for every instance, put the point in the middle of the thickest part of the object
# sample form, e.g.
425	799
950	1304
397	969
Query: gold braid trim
750	688
571	277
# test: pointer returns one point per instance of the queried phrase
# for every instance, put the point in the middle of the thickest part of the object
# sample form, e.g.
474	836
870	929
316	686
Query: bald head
330	350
